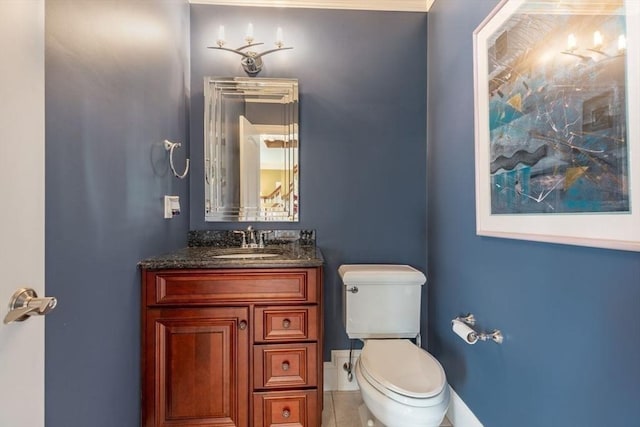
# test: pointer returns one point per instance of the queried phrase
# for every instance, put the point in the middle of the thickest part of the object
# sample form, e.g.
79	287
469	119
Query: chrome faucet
252	238
249	239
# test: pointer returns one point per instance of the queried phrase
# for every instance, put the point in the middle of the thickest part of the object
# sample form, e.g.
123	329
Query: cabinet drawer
285	365
201	287
273	324
290	409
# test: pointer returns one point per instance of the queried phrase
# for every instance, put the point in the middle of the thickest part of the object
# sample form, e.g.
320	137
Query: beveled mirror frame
248	120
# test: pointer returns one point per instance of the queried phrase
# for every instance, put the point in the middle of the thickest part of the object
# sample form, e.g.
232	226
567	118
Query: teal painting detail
557	114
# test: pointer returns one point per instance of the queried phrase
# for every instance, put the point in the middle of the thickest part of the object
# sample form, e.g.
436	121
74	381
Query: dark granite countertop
279	256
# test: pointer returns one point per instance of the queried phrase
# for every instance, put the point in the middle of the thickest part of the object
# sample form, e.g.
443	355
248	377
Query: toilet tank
381	300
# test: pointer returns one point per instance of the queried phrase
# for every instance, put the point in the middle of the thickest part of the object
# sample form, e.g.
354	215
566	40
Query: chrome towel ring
170	146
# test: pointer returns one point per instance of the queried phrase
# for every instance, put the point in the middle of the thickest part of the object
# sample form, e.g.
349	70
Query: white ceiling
389	5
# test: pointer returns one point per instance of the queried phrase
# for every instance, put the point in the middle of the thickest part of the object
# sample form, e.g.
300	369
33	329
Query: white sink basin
246	255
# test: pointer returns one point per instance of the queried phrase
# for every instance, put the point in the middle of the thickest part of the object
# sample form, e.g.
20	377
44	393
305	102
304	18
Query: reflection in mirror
251	149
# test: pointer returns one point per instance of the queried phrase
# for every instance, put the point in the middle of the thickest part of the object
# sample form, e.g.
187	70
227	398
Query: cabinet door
196	367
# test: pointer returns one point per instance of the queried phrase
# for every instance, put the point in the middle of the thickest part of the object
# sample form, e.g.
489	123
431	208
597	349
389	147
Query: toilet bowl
401	384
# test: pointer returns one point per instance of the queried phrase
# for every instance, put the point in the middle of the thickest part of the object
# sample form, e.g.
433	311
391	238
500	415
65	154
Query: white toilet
401	384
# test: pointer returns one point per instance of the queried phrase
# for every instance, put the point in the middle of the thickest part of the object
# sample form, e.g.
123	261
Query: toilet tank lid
380	274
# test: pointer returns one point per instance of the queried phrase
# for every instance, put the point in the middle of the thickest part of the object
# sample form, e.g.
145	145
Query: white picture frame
574	180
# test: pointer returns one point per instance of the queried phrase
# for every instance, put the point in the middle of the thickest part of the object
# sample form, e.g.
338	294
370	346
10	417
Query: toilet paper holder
496	335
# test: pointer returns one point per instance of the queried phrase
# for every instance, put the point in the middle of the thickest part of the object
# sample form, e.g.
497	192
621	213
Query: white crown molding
388	5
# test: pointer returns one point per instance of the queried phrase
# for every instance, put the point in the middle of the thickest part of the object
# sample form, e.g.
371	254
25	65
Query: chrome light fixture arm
238	50
251	61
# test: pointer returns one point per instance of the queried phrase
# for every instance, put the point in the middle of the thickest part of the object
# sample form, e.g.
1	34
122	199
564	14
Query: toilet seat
402	371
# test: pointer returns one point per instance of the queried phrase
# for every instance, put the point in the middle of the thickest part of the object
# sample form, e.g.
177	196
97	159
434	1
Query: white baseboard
335	377
459	413
330	381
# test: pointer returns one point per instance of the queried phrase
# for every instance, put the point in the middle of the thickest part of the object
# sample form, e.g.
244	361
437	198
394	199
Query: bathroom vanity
231	337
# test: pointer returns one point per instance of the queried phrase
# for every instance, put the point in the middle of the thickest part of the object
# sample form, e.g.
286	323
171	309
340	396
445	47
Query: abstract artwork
556	121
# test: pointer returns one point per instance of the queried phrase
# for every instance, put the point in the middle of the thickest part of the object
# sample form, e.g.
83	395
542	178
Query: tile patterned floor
341	409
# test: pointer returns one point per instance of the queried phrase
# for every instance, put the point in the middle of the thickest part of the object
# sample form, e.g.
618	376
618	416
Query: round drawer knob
285	366
243	325
286	413
286	323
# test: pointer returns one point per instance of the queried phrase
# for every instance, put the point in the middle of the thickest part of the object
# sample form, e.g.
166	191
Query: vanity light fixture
598	47
251	60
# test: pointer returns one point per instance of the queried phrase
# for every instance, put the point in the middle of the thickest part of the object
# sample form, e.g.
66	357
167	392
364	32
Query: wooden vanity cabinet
232	347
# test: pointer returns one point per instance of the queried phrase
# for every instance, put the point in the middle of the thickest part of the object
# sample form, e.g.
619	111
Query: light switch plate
171	206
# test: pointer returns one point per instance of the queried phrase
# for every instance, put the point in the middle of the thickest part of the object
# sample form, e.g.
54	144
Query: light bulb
249	37
279	38
572	43
622	43
221	38
597	40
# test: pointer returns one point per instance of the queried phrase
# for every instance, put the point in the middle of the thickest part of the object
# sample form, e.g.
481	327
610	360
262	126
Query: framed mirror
251	147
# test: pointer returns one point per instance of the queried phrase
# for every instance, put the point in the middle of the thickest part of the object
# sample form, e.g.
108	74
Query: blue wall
569	314
363	129
115	89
